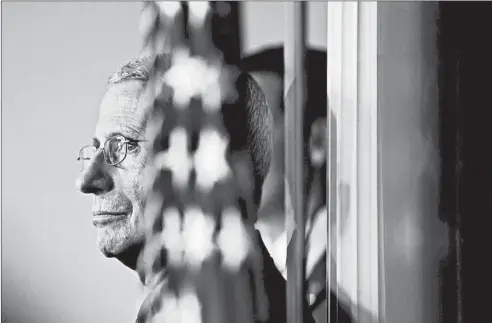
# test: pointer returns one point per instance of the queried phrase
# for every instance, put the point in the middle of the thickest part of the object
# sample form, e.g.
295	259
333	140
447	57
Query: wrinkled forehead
123	110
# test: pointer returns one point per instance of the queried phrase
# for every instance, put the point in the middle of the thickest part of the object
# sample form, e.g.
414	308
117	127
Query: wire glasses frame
115	150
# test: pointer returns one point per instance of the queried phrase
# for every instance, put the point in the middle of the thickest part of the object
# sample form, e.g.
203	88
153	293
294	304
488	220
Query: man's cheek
140	188
138	197
147	177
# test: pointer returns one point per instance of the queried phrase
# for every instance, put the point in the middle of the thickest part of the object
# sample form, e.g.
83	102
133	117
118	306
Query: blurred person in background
275	218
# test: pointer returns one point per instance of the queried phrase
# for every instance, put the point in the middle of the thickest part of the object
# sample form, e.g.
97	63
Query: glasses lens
85	156
115	149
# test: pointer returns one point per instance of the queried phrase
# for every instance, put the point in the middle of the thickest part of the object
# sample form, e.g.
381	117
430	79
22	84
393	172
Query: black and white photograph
245	161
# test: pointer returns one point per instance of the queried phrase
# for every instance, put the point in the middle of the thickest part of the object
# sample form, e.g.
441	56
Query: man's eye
132	146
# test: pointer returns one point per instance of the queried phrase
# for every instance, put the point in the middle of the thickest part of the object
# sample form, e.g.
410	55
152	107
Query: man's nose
95	177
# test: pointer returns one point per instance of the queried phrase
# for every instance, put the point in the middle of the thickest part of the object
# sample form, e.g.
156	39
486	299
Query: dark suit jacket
275	286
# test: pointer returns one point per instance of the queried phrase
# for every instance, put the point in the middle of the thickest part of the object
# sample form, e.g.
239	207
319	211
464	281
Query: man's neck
130	256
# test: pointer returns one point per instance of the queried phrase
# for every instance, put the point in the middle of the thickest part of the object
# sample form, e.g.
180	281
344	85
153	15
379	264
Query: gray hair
139	69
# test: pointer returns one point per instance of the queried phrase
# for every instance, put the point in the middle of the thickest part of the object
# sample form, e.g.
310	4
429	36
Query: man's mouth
102	218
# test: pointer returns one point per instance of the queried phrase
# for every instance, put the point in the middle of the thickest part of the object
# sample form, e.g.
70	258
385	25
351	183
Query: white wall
414	238
265	21
56	57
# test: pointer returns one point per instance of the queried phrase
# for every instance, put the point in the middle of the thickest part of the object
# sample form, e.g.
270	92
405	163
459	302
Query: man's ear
271	84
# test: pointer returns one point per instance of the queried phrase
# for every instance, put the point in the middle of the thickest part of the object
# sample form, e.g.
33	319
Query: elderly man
115	166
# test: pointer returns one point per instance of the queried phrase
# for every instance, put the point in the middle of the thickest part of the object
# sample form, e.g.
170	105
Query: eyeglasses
114	150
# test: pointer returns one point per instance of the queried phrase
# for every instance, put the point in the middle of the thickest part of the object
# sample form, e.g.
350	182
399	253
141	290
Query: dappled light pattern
198	237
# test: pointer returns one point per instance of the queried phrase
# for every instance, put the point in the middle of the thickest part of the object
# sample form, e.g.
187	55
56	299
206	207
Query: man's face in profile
118	190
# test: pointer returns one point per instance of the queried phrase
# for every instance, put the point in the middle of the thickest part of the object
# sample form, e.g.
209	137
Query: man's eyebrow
116	133
130	134
96	141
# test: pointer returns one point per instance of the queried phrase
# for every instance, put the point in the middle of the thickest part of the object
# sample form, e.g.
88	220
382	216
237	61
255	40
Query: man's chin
110	250
126	251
